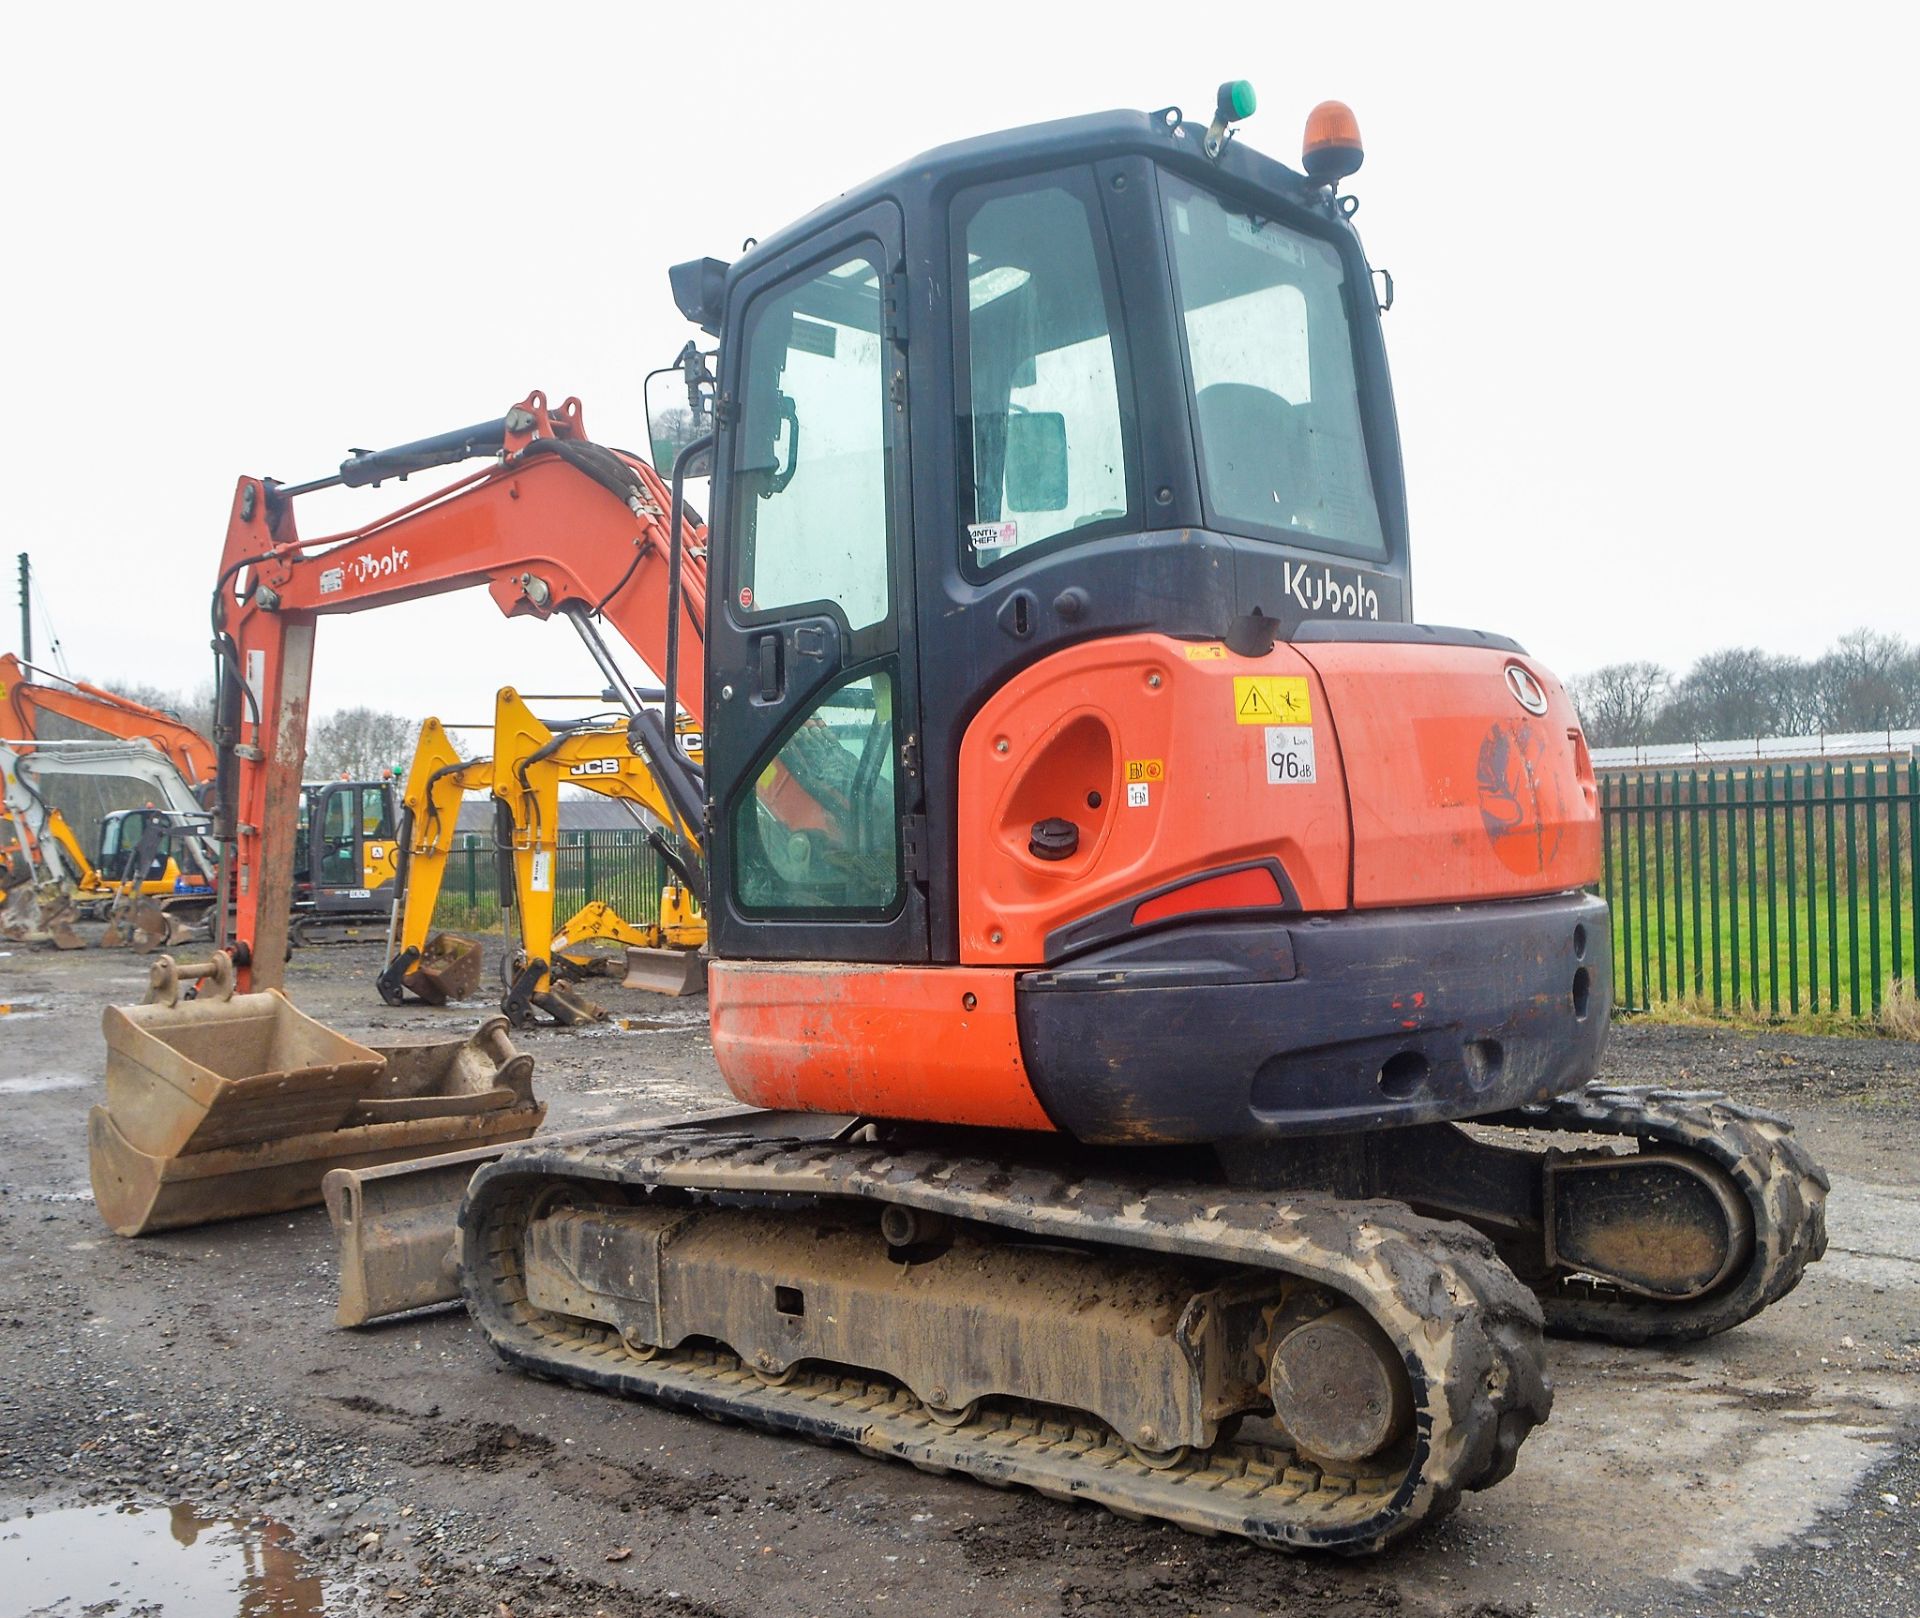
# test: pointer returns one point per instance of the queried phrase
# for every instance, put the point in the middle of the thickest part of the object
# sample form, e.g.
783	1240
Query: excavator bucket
448	969
155	928
57	917
231	1105
672	972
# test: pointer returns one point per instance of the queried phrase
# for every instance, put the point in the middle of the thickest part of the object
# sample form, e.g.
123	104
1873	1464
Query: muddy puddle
118	1561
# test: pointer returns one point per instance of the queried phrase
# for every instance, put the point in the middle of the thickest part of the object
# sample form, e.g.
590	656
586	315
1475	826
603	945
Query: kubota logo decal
363	569
1321	590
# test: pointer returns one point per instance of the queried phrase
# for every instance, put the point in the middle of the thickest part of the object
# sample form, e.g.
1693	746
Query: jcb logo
596	766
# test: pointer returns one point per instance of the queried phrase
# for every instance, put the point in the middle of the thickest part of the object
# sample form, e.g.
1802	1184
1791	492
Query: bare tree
360	744
1868	681
1725	696
1619	703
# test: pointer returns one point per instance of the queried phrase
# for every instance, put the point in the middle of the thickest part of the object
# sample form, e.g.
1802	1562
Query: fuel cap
1054	839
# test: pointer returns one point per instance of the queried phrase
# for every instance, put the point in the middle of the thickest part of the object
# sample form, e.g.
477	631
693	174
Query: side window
819	829
1043	432
376	820
811	472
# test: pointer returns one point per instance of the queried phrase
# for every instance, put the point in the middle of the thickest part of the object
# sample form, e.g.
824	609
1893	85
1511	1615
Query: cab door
814	795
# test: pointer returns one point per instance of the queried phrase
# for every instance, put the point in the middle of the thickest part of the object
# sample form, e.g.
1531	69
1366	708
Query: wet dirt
418	1475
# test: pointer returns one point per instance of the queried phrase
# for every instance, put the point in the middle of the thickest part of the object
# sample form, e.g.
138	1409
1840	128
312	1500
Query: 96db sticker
1289	755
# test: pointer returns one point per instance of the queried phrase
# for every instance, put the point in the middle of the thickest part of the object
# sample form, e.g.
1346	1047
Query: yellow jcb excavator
529	763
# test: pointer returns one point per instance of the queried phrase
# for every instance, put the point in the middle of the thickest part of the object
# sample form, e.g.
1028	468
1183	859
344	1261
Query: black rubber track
1468	1331
1784	1187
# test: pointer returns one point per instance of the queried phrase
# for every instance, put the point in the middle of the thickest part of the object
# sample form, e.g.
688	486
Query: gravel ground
1775	1470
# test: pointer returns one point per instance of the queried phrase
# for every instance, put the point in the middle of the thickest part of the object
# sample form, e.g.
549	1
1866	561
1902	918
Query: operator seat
1254	450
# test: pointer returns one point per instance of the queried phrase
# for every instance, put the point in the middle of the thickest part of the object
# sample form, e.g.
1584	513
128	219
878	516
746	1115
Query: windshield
1271	361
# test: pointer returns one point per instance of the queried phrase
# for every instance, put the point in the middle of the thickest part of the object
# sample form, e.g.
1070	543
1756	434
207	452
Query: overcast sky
1653	350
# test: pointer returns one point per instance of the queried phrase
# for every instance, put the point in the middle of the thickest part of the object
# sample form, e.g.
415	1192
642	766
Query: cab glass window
339	862
376	813
819	831
1042	440
1270	356
811	458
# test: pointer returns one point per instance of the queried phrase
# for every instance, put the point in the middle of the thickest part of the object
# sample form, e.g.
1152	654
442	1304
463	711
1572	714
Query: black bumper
1219	1032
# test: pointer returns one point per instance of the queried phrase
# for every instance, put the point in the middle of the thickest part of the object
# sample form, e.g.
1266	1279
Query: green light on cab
1237	99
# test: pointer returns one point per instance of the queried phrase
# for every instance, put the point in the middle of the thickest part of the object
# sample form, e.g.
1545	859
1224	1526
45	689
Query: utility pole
26	614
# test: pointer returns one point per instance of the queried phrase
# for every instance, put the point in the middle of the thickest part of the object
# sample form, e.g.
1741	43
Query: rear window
1270	361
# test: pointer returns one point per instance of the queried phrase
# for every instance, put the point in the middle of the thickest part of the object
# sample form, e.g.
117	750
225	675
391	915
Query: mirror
1037	461
672	421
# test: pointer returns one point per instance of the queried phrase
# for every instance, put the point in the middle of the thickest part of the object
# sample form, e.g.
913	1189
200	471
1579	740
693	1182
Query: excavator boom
25	700
556	525
528	763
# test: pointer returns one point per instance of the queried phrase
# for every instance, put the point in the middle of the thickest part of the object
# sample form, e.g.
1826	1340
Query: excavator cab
126	835
1063	642
345	855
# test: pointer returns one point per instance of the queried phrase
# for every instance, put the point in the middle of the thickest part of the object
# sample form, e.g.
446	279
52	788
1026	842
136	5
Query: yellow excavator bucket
671	972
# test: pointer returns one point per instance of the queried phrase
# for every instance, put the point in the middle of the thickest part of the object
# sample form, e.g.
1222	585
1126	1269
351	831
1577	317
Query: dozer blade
672	972
231	1105
448	969
398	1225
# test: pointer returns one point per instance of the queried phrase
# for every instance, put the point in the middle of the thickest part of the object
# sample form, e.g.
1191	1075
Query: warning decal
1207	652
1290	755
1146	769
1271	699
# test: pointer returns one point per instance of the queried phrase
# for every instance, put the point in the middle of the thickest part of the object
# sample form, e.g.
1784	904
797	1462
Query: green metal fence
620	867
1776	891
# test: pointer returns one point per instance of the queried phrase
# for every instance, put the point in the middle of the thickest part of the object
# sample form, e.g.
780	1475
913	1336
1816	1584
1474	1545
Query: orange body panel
1166	712
1429	783
930	1042
1458	792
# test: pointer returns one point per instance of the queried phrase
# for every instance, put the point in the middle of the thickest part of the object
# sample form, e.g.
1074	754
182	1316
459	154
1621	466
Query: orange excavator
25	701
1118	900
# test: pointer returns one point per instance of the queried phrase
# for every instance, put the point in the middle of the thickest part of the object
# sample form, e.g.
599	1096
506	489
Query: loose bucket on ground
229	1105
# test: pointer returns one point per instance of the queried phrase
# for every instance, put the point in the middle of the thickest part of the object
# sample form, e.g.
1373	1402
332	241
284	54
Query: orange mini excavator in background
1117	900
24	701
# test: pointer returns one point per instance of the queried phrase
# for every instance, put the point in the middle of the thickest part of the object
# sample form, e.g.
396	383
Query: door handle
772	668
